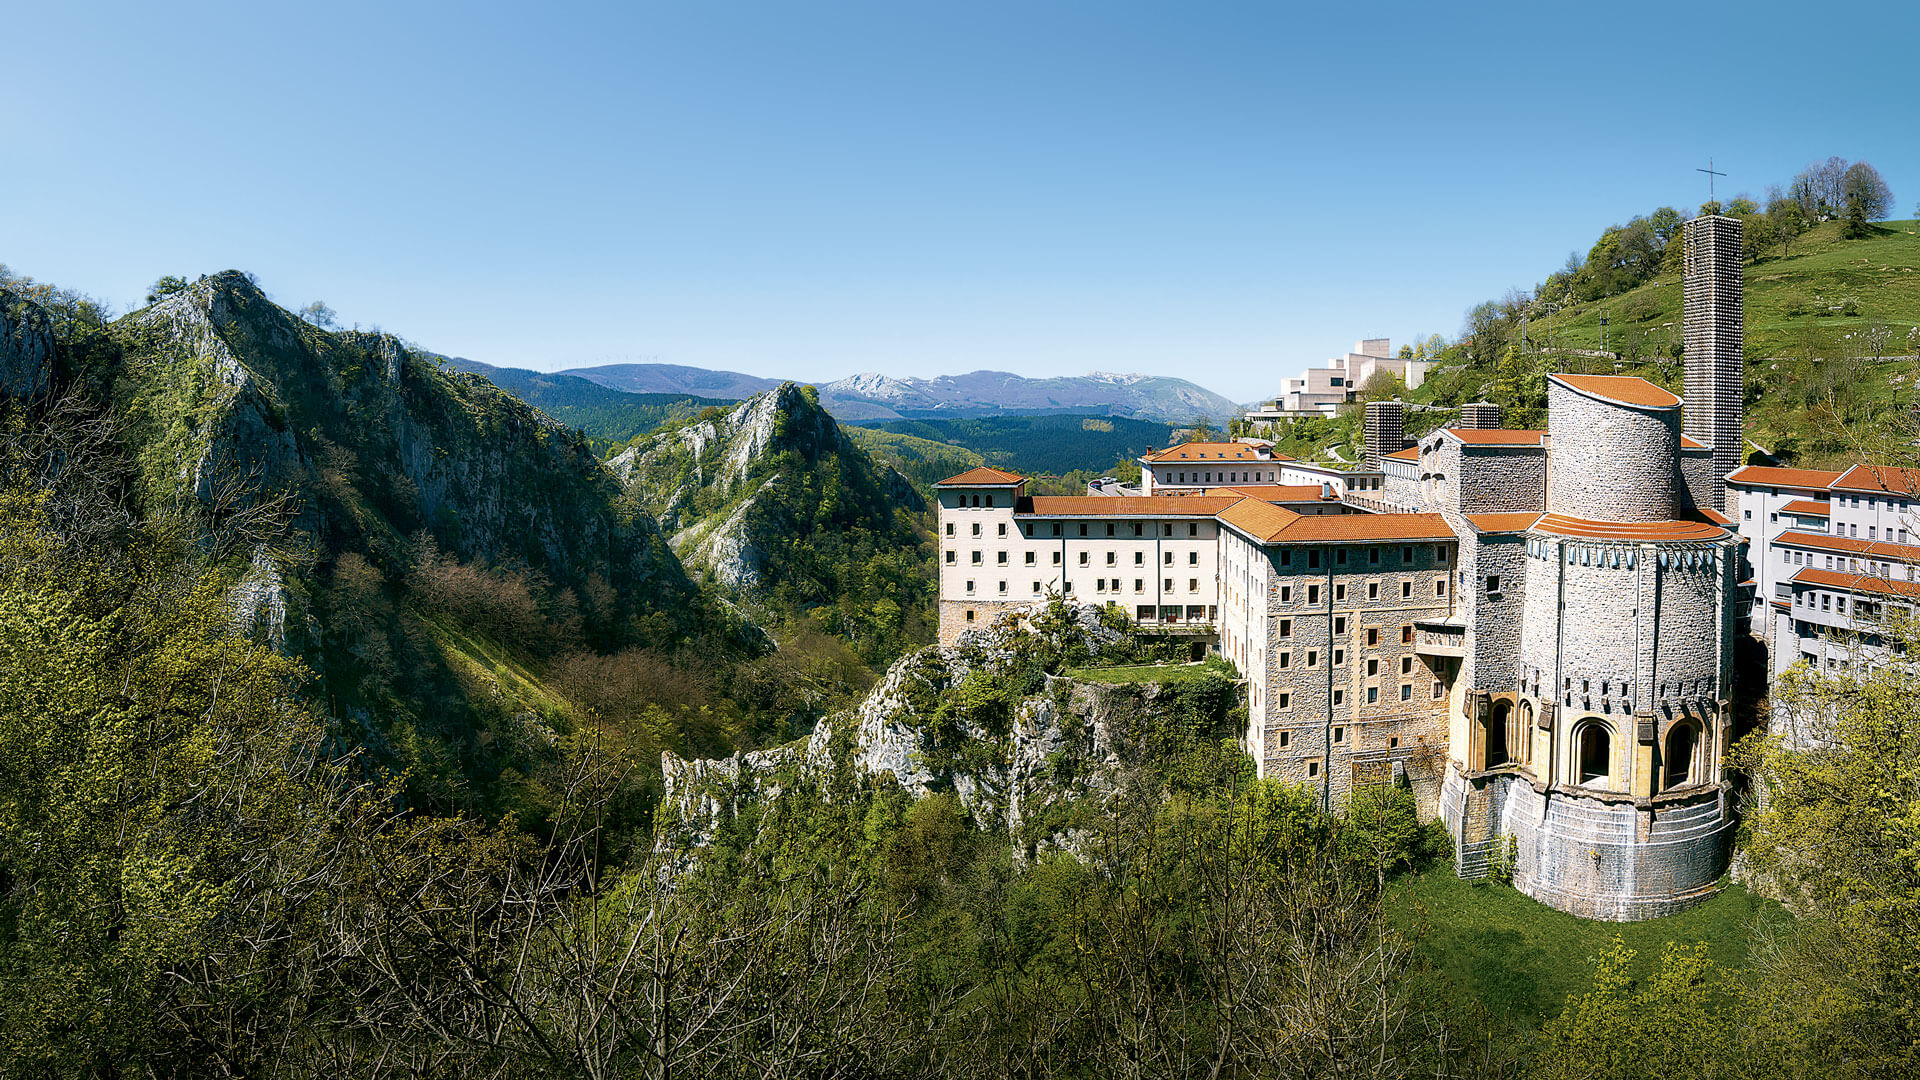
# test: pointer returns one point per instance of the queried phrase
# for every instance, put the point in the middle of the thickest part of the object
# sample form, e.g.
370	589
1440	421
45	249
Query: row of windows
978	558
1312	592
1284	700
1342	556
1166	613
1856	566
1104	585
1284	628
1312	660
1244	477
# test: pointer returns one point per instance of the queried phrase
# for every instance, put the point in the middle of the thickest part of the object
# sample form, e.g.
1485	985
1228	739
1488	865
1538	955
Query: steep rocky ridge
737	491
1025	749
232	401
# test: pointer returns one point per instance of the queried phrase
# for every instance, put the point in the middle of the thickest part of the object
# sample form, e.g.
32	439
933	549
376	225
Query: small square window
1313	768
1283	701
1339	624
1003	528
1393	742
1339	696
1286	627
1285	736
1339	656
1339	734
1373	666
969	610
951	557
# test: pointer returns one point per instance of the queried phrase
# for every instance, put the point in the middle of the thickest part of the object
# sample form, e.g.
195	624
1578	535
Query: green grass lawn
1521	958
1137	673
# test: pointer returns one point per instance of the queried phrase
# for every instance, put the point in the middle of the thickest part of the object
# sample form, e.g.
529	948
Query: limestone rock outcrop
731	489
26	348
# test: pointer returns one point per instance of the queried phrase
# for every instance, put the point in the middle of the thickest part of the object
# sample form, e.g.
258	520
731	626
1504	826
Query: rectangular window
1339	656
1406	665
1113	558
969	585
1439	689
1283	700
950	558
1313	768
1340	557
1440	554
1406	556
1313	594
1339	624
1373	590
1036	588
976	558
1286	557
1083	558
1003	586
1313	658
1030	558
1440	587
1169	585
1339	593
1373	635
1393	743
1193	584
1139	558
1056	528
1169	559
1373	694
1193	558
1283	659
1406	691
1056	558
1003	528
1373	556
1285	735
1373	666
1000	558
1286	627
1406	590
1109	528
949	528
1339	734
1313	559
1406	635
1193	528
1493	583
1339	697
1286	594
976	528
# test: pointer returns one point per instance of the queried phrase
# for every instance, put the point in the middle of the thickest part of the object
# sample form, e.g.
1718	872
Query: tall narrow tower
1385	431
1715	337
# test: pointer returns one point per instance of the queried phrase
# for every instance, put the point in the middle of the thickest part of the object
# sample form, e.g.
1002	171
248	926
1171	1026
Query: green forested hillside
1042	444
923	461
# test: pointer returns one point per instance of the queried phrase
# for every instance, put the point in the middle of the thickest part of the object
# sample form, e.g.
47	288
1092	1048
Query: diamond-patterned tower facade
1386	431
1715	323
1483	415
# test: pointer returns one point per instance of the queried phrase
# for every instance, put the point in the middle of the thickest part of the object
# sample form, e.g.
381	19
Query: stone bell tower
1715	338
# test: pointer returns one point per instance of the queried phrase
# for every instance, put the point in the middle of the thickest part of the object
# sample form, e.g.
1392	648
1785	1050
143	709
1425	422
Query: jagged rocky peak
26	347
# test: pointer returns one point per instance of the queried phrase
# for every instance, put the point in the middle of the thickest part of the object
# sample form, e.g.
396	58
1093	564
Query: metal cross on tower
1710	175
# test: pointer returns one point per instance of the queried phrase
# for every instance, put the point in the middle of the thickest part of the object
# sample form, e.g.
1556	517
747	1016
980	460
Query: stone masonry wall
1610	462
1491	479
953	615
1493	630
1373	738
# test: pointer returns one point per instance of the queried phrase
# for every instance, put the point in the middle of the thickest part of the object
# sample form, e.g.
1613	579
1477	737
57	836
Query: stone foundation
1599	858
953	615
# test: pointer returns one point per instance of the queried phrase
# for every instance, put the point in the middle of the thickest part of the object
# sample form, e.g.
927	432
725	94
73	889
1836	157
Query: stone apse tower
1589	753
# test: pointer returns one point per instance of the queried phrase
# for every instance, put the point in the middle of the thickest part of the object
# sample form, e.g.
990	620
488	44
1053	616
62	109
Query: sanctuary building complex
1532	629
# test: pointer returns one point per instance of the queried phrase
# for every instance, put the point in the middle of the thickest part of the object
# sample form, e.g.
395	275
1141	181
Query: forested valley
358	720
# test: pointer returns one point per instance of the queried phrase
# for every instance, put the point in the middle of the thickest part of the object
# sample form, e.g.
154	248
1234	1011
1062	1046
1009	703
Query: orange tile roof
1880	479
1856	582
1501	523
982	476
1411	453
1630	531
1772	476
1688	442
1624	389
1260	520
1496	436
1277	525
1715	516
1213	451
1275	493
1808	507
1111	506
1879	549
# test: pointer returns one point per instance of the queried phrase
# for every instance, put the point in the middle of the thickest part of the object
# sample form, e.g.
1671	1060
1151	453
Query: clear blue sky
1225	192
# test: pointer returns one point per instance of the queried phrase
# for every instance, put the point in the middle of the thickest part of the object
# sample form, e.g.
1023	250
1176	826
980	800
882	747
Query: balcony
1440	640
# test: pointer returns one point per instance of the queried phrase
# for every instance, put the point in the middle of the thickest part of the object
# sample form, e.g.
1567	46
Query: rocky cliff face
235	404
732	489
26	347
1020	749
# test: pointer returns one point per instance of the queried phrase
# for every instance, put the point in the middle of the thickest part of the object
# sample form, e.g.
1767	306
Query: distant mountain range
975	394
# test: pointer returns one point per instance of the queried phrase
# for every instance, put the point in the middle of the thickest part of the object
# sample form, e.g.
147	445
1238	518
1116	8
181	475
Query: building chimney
1715	336
1480	416
1385	432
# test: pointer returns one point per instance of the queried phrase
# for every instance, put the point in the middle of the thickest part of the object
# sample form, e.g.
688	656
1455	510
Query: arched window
1497	734
1524	737
1683	742
1595	749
